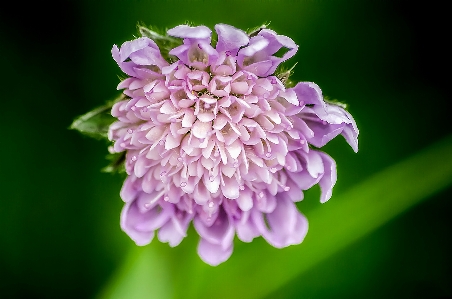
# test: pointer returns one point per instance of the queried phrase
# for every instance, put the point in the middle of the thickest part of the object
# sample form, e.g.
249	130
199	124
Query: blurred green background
59	215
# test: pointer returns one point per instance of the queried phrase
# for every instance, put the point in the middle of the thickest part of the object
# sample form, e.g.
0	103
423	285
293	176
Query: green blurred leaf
257	269
351	215
142	275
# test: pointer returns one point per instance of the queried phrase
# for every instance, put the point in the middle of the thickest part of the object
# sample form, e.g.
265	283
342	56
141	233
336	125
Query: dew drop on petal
288	167
268	155
210	204
286	188
147	205
180	159
133	159
123	144
242	187
130	131
211	178
166	198
183	184
261	194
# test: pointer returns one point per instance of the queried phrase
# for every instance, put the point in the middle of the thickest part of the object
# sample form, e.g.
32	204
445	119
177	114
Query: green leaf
96	122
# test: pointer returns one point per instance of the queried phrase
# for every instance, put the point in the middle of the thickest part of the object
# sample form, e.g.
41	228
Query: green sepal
116	163
96	122
255	30
283	74
335	102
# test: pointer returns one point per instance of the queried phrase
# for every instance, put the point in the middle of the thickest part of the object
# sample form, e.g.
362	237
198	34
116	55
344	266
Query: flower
214	137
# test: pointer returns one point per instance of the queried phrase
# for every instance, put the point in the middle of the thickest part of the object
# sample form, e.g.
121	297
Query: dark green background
60	235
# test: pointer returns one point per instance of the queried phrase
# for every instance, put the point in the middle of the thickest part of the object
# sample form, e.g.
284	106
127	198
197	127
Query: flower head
214	137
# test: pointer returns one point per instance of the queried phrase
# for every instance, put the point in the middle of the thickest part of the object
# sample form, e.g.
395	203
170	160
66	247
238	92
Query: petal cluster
215	138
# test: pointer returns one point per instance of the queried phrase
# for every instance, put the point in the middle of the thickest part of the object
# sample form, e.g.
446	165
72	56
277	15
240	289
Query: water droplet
133	159
210	204
242	187
286	188
180	159
273	169
268	155
130	131
122	144
288	167
183	184
166	198
249	77
211	178
163	173
147	205
261	194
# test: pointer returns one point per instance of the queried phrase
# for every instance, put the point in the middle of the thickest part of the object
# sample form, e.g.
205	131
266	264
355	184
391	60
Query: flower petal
184	31
230	38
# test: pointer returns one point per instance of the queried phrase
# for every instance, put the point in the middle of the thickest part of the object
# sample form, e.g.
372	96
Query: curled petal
221	232
184	31
286	225
175	229
230	38
328	179
213	254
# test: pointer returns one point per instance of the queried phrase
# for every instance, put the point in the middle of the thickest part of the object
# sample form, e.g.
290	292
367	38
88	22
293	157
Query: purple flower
216	138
